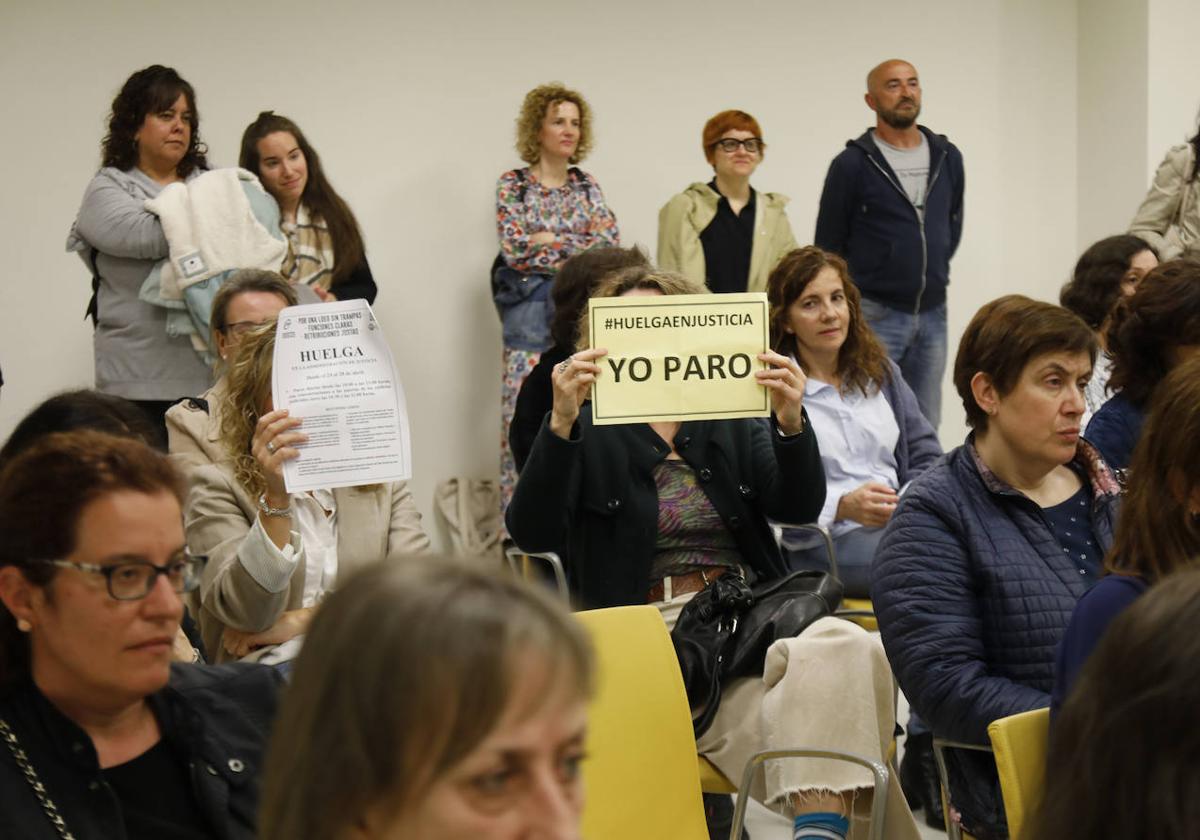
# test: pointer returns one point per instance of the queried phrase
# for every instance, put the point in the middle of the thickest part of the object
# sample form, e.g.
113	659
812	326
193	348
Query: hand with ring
572	382
274	442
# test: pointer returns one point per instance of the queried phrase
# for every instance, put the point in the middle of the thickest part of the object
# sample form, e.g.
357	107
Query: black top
593	497
156	797
359	284
215	721
728	241
534	400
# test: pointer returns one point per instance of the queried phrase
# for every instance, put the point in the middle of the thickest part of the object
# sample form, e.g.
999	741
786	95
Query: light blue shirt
857	436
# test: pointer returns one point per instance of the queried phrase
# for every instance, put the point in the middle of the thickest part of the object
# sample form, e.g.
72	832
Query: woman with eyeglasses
247	300
326	251
725	233
274	555
100	736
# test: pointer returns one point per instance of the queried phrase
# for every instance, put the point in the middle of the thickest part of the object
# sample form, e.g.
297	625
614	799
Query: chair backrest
1019	742
640	777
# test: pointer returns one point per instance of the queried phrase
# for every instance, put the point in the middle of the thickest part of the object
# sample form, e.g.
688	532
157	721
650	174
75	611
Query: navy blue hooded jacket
865	216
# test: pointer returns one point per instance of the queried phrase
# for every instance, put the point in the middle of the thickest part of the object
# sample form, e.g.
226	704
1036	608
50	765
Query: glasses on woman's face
239	329
133	580
753	145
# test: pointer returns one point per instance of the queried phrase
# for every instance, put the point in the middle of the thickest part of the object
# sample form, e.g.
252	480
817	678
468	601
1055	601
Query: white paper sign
334	369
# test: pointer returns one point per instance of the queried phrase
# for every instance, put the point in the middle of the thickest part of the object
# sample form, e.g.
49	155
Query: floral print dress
580	219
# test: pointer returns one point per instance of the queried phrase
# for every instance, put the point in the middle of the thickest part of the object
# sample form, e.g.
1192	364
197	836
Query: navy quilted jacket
973	594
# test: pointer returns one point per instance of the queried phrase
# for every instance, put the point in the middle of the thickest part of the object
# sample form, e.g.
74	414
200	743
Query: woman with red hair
724	233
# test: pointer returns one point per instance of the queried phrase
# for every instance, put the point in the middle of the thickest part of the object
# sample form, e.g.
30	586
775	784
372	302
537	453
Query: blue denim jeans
855	550
917	343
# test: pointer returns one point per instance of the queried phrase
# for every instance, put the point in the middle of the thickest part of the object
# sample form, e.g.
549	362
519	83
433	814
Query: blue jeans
854	549
917	343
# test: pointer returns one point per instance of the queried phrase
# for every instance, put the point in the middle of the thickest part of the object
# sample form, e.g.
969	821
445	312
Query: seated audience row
650	513
376	738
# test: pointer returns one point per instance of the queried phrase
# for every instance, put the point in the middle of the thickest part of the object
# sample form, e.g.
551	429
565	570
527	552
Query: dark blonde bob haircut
637	277
405	670
534	110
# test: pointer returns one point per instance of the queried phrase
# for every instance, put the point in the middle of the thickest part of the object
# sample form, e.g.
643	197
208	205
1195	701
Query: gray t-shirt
911	167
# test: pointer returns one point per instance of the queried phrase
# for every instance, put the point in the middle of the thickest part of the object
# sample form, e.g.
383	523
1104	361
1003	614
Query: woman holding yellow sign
654	512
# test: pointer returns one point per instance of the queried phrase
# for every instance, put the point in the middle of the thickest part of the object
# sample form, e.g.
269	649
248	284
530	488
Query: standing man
892	207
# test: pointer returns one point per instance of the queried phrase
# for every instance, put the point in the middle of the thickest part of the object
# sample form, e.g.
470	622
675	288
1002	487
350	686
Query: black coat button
683	443
614	505
705	474
745	490
735	522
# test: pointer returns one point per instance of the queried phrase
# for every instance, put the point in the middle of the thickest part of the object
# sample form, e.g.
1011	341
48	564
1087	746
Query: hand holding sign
273	443
785	380
572	382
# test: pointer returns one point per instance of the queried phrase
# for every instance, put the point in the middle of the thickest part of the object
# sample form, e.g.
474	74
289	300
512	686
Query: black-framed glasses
133	580
240	328
753	145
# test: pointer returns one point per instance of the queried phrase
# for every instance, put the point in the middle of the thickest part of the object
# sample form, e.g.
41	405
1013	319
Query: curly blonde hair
248	387
534	109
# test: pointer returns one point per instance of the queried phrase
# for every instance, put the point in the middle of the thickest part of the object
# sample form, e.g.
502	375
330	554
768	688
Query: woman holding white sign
273	555
874	439
653	512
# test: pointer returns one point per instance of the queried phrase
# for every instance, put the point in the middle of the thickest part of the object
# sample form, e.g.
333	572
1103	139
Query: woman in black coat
651	513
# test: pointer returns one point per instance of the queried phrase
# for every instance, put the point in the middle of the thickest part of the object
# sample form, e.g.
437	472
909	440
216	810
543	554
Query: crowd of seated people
156	609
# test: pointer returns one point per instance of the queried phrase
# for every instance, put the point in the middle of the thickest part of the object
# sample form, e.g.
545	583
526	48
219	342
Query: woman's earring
23	625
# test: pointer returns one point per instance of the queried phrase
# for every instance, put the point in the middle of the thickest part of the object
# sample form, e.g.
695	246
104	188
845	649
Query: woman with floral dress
545	213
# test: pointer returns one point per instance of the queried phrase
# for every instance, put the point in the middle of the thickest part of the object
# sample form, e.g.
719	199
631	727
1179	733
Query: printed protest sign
680	357
334	369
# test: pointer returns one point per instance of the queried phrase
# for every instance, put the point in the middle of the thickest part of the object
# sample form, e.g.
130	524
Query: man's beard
899	120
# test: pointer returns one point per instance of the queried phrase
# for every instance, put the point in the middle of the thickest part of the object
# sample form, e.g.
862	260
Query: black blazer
595	495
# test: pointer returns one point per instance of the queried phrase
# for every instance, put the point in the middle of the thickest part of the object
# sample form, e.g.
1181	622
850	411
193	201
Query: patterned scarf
310	251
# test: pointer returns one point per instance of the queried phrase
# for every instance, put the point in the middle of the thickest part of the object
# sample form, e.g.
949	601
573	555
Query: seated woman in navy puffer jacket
989	550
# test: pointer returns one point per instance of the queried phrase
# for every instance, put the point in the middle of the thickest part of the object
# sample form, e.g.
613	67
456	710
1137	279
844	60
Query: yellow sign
682	357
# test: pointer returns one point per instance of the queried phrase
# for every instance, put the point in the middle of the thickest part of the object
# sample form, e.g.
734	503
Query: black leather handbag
723	633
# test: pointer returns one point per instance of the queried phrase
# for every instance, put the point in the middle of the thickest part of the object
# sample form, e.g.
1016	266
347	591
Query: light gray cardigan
135	358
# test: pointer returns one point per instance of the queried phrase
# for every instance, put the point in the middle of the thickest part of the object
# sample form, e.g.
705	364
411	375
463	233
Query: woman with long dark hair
873	438
1159	529
327	252
1122	759
153	140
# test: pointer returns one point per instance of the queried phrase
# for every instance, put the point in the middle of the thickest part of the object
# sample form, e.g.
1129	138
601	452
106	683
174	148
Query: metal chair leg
518	562
878	802
953	829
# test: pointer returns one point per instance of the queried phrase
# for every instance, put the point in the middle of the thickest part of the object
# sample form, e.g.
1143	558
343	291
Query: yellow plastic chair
640	777
1020	743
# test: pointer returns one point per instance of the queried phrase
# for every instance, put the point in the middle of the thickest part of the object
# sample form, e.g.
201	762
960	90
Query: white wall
412	107
1173	79
1112	127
